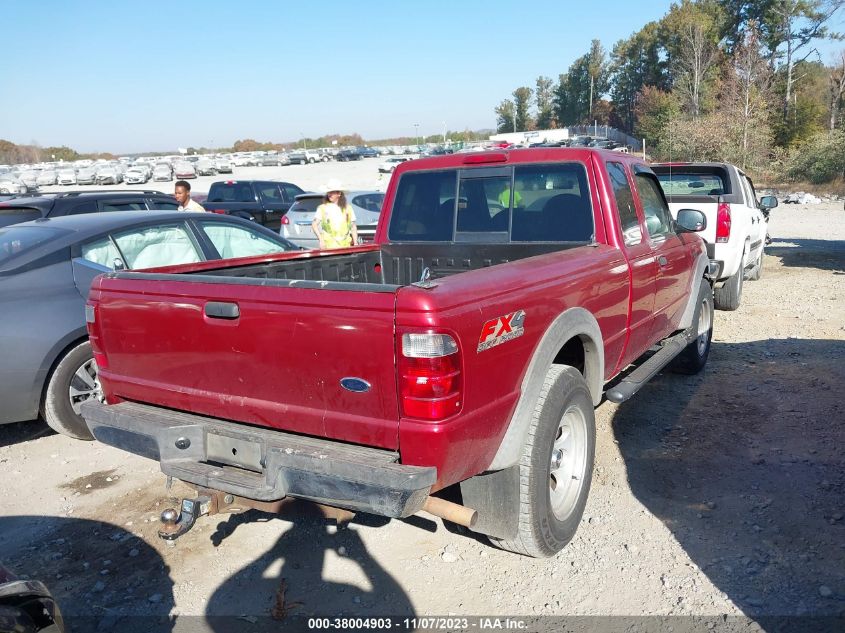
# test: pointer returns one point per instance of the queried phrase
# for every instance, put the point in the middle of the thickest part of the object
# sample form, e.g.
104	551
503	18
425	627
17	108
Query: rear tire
73	381
556	467
757	271
694	357
728	297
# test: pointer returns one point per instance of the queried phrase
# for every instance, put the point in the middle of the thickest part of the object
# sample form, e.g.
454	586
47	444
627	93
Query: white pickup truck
736	220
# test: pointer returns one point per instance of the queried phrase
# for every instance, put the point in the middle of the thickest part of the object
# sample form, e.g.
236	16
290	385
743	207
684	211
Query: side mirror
691	221
768	202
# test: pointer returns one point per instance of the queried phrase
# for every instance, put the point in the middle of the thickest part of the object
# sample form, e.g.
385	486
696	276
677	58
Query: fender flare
698	278
569	324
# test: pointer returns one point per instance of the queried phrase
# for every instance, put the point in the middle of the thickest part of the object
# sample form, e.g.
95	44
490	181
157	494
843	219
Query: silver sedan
296	223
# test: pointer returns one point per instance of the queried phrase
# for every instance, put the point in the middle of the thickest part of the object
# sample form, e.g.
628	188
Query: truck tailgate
270	356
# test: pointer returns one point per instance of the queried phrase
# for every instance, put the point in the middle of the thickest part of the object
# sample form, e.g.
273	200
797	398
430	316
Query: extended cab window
658	222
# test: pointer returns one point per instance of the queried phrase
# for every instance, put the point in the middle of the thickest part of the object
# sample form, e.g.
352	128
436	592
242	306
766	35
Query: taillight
94	335
429	376
723	222
285	219
221	211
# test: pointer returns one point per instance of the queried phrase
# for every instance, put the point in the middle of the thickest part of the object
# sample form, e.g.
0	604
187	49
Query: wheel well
572	354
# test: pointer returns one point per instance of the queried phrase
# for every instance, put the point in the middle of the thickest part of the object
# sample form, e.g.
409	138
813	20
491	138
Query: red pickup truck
505	295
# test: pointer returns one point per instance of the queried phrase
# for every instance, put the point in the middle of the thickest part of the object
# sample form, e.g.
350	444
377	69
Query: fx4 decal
501	330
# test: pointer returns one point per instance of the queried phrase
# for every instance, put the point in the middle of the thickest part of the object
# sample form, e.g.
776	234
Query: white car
10	184
184	169
135	176
736	221
108	176
47	177
86	176
162	172
389	165
223	165
66	177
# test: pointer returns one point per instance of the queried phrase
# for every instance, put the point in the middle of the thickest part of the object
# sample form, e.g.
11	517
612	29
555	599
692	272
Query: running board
633	382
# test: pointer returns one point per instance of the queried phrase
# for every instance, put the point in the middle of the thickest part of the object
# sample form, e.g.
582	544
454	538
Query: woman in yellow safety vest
334	220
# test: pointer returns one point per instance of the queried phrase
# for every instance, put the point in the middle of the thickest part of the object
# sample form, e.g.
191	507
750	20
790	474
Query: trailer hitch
175	524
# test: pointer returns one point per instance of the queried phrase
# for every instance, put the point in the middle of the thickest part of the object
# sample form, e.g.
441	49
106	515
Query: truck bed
390	266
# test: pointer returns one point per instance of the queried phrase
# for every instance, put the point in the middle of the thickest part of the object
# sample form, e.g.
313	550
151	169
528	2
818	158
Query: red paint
279	365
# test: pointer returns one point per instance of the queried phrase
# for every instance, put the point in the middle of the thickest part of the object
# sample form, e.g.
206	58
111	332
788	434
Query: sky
125	77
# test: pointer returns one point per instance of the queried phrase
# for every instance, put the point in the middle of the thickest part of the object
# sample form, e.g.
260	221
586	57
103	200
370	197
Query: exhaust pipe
453	512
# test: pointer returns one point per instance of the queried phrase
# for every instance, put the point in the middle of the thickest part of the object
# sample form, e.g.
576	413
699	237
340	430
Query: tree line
736	80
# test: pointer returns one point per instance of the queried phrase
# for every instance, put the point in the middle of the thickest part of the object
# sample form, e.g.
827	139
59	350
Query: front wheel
694	356
757	271
73	381
556	468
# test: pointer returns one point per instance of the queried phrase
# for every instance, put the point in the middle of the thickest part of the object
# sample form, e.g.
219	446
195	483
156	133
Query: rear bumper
263	464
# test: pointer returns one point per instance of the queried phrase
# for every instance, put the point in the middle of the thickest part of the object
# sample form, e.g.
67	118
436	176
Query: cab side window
631	232
658	221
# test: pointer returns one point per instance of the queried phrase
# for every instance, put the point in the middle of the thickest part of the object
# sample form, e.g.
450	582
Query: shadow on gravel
285	585
805	253
744	464
103	577
23	432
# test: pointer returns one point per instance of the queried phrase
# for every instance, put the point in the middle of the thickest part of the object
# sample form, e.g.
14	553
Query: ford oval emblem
355	385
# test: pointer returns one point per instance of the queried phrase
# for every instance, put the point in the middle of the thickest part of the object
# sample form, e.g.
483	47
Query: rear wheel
729	295
73	381
694	357
556	467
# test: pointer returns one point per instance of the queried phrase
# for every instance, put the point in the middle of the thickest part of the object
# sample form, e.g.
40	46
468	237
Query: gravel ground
714	495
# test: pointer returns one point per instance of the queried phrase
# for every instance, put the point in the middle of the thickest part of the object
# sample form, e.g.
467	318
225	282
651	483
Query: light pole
417	132
304	143
444	132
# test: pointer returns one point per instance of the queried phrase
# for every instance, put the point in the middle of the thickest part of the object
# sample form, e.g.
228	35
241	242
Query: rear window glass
13	215
17	240
548	203
705	183
306	205
231	192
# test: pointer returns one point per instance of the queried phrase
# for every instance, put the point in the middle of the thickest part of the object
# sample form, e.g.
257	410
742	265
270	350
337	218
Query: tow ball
175	524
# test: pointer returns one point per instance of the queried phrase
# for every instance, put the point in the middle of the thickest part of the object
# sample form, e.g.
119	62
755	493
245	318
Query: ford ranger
462	353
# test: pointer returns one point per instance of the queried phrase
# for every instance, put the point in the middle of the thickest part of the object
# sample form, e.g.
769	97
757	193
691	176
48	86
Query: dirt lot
720	494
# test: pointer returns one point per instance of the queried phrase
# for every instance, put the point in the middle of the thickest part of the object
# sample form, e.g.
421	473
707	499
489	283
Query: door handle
222	310
662	261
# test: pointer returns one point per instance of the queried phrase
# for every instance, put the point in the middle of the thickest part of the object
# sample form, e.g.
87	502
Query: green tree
789	28
654	110
690	35
635	63
544	98
522	103
597	70
505	119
